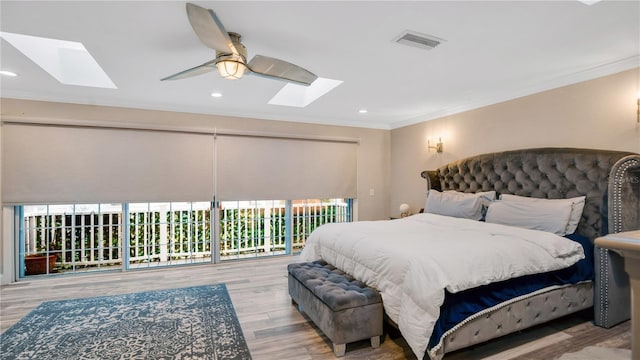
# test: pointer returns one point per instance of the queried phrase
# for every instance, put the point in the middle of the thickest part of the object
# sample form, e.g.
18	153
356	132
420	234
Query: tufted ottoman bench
346	310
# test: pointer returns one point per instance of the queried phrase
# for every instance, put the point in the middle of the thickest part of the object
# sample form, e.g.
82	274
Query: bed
441	305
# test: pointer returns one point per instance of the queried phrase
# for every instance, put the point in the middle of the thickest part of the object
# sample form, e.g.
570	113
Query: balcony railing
93	237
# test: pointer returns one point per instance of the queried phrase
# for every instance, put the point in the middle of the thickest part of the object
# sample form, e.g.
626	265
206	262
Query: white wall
597	114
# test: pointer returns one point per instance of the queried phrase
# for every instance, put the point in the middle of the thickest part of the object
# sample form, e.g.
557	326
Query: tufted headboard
552	173
610	180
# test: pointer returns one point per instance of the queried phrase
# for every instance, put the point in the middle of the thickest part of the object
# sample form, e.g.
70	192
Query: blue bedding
459	306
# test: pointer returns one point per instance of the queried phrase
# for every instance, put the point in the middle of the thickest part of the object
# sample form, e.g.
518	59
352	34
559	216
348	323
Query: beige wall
599	114
3	249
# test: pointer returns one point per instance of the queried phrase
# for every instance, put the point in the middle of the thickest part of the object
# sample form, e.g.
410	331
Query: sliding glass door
63	238
96	237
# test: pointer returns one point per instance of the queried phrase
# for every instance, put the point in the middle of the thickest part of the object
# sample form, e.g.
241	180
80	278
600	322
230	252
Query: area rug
187	323
598	353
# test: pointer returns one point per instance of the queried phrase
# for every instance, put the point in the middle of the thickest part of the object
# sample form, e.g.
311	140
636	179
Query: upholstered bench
346	310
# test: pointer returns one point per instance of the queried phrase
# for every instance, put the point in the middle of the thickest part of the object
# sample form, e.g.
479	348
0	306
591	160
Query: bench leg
339	349
293	302
375	342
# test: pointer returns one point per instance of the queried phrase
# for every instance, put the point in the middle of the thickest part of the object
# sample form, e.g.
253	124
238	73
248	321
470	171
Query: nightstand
627	244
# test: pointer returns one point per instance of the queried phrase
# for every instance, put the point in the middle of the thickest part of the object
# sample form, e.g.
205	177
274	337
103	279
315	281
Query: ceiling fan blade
209	29
281	70
198	70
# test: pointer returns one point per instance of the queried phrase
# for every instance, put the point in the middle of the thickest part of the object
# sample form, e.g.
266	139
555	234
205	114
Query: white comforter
412	260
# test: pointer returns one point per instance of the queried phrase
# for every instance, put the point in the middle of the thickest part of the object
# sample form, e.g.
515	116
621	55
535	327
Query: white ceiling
494	51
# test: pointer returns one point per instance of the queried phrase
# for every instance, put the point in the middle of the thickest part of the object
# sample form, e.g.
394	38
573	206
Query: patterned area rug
189	323
598	353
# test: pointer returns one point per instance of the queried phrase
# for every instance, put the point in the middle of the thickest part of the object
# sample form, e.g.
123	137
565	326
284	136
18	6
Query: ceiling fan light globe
230	69
231	66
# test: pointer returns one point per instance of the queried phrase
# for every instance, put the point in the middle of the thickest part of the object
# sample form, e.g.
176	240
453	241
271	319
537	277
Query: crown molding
557	82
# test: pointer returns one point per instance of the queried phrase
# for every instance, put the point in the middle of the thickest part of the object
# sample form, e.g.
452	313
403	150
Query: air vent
418	40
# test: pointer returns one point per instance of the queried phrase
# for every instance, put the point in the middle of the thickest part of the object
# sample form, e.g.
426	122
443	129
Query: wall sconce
404	210
438	146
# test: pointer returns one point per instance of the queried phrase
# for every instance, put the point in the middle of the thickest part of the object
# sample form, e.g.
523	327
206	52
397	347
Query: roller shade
263	168
58	164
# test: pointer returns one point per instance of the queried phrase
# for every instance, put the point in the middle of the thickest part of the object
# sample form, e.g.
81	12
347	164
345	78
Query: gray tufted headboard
552	173
610	180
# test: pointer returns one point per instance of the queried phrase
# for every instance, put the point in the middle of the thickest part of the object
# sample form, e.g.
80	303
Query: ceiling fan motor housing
242	51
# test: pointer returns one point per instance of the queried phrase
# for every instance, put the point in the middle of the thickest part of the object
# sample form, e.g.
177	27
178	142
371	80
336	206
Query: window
309	214
92	237
252	228
259	228
146	231
78	236
169	233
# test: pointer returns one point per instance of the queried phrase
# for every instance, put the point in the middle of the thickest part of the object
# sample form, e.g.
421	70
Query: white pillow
486	197
576	204
545	216
458	204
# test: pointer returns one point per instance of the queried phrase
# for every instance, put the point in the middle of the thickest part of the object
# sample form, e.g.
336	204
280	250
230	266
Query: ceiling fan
231	55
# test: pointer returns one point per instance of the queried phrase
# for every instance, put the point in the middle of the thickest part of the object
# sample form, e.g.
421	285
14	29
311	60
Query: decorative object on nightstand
627	244
404	210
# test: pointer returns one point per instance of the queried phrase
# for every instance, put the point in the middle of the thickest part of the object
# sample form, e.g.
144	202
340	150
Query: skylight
589	2
300	96
67	61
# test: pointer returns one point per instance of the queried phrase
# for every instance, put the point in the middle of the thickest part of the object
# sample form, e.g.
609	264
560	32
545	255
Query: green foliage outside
95	240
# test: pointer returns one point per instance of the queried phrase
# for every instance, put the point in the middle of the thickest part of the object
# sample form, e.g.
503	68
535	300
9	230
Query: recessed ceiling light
8	73
300	96
216	94
67	61
363	111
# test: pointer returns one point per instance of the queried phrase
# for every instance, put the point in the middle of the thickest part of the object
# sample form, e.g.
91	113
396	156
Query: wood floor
274	329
